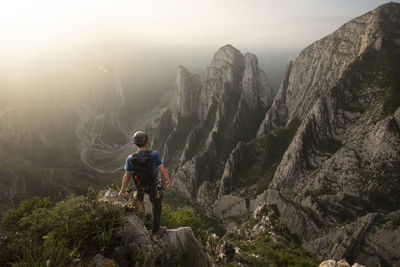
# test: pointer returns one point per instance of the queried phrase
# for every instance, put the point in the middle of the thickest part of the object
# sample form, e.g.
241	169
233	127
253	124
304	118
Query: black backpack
142	171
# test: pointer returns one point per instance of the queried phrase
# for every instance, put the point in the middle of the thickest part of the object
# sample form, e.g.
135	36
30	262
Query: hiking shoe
159	233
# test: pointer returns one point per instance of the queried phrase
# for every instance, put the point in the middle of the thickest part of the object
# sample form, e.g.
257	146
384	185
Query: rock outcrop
177	247
209	114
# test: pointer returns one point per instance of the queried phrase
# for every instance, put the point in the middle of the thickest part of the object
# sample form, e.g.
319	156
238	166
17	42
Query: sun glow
27	25
24	22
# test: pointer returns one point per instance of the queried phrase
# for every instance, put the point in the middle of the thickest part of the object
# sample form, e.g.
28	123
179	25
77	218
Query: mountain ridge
324	148
231	87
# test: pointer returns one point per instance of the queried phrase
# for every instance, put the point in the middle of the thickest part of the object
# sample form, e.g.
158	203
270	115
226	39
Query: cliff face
195	134
337	183
327	151
318	67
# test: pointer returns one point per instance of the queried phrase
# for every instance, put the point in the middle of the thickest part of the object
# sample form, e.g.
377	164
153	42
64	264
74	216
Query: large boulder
181	248
177	247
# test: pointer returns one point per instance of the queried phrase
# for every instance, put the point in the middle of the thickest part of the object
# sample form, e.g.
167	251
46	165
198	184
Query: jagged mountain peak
227	51
183	71
228	55
229	70
231	96
388	6
251	61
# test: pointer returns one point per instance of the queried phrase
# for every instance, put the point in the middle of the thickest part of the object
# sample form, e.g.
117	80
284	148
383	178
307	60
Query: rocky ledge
177	247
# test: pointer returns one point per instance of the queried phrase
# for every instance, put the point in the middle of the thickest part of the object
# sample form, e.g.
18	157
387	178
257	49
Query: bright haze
72	43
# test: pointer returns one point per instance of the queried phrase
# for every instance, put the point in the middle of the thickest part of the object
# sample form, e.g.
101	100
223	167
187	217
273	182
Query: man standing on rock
143	166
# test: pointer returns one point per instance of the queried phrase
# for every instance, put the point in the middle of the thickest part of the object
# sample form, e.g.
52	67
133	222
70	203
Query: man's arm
164	174
125	182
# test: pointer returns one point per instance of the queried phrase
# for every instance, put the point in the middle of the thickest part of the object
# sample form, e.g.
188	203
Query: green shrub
184	217
282	249
38	232
11	220
272	253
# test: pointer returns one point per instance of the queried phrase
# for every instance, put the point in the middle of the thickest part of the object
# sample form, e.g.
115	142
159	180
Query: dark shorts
151	190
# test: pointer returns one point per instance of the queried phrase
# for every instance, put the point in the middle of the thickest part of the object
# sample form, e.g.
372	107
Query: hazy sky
156	36
26	25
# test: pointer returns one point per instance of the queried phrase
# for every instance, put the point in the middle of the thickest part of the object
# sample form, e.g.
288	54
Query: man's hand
121	194
125	182
168	183
164	174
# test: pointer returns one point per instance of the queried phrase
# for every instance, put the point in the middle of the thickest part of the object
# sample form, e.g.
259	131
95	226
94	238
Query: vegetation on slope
184	217
42	233
263	240
39	231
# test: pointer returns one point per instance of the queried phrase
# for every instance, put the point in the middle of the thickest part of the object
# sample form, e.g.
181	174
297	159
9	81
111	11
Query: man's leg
157	208
156	198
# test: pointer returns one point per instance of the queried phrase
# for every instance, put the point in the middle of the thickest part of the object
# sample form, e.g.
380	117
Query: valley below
292	177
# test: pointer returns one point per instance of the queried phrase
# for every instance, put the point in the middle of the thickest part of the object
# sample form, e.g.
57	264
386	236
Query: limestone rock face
133	230
232	96
277	116
342	166
229	206
318	67
253	77
185	94
160	134
175	247
227	177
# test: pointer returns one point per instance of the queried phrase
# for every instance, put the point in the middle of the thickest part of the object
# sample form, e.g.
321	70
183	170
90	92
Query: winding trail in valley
97	153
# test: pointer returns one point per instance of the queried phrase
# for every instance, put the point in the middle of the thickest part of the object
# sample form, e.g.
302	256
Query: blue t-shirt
155	161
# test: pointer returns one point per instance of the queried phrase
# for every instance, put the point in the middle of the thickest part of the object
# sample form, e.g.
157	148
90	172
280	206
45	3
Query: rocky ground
177	247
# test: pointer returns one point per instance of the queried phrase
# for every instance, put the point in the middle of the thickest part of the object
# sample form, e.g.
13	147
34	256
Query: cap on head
140	138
